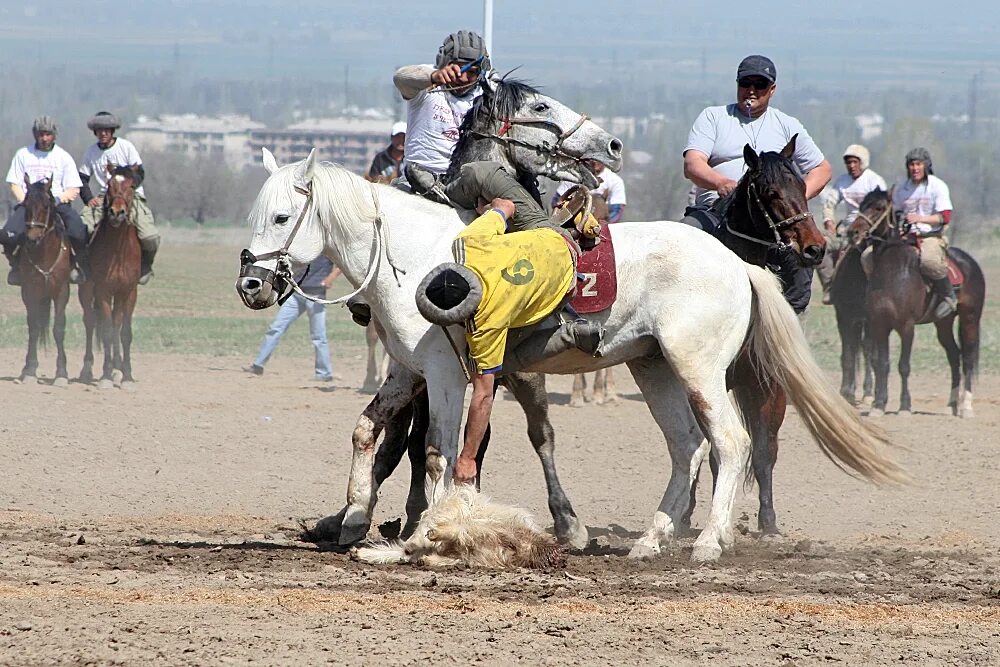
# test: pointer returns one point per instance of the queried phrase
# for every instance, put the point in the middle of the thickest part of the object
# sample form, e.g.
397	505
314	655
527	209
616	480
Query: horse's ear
269	162
751	158
27	181
304	172
789	150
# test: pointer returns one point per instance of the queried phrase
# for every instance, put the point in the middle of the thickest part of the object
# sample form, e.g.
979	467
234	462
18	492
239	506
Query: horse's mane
873	197
123	170
772	167
343	194
501	99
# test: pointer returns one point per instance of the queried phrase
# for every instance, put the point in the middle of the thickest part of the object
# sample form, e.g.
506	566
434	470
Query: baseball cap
757	66
398	128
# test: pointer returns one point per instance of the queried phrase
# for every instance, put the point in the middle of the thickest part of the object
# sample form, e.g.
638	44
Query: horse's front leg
392	397
529	390
34	308
446	402
105	329
59	335
126	336
89	318
373	375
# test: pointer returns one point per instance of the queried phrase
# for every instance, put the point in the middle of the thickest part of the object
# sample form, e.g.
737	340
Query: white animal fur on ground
465	527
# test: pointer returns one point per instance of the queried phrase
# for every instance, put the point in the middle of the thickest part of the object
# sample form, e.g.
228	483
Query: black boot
361	312
947	301
426	183
149	248
14	277
80	271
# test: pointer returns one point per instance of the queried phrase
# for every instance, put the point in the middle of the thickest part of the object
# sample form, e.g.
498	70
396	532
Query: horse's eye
280	219
541	107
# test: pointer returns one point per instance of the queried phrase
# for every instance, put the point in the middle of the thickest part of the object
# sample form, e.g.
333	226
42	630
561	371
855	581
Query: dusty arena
158	525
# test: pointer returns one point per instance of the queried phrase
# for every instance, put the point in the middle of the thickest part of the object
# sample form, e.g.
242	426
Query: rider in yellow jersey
500	282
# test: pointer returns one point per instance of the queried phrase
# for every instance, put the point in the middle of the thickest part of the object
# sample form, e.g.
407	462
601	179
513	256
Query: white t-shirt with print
55	164
722	132
930	196
852	192
432	122
611	188
96	160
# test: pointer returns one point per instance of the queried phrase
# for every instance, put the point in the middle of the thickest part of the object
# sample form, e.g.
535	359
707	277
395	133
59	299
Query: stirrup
146	277
14	277
77	276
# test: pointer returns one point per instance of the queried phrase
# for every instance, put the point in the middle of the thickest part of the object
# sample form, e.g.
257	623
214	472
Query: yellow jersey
525	276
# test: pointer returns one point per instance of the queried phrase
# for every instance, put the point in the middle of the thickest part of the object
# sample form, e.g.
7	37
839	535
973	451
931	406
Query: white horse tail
780	352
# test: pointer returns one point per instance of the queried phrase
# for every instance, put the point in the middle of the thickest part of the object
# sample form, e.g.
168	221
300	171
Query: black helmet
923	155
463	47
103	120
449	294
44	124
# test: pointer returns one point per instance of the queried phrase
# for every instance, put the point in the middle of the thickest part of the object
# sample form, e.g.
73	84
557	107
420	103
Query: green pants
142	218
484	181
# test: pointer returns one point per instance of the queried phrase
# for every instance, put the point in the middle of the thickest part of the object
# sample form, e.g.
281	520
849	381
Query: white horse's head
284	231
513	122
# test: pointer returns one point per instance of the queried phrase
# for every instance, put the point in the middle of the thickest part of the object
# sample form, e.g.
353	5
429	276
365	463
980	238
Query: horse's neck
736	214
478	149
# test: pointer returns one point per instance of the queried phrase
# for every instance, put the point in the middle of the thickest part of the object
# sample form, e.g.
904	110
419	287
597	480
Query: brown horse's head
776	202
874	217
122	182
39	209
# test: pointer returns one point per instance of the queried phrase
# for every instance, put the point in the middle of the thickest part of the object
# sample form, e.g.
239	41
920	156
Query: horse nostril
813	253
250	285
615	148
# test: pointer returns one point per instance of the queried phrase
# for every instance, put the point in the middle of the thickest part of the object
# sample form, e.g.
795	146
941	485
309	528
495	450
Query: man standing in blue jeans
319	275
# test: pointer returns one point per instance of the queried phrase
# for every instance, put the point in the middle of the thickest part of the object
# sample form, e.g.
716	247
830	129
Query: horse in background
109	295
848	295
44	261
898	299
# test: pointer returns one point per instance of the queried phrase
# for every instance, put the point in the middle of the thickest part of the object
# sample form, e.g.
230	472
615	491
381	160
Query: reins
283	269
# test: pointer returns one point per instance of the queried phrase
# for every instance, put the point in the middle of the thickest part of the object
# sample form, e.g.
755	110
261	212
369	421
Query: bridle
551	151
109	202
48	226
873	224
281	278
775	226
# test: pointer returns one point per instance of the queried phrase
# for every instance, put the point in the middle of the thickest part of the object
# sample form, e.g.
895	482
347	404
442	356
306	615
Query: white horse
685	309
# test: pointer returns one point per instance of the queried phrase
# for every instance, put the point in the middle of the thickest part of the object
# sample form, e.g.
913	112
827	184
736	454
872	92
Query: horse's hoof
128	385
876	412
966	414
576	536
643	552
105	383
60	382
904	413
706	553
354	528
368	389
39	381
576	402
117	377
18	380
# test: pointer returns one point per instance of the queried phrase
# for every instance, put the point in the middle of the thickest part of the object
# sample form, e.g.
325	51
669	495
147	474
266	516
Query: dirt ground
158	527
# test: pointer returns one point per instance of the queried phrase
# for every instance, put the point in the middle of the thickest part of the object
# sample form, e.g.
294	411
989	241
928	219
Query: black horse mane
873	197
501	99
773	167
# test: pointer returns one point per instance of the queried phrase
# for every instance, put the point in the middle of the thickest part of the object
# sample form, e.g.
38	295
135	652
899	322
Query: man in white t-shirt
850	188
437	99
38	161
713	159
611	189
925	202
111	151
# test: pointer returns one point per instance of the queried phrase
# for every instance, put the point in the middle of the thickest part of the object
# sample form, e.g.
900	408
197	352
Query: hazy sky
846	43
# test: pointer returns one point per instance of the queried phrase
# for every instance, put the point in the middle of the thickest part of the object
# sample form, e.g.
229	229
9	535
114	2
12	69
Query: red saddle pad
597	285
955	274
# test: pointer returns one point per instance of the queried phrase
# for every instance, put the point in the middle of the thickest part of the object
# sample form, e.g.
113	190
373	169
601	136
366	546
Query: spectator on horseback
501	282
713	160
849	188
98	161
387	163
611	189
925	202
44	160
437	99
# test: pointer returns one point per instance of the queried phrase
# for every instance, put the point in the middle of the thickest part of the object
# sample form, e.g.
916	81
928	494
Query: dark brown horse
108	297
849	297
44	262
898	299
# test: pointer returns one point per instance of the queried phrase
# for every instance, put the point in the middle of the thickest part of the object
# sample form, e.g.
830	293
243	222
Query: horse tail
779	350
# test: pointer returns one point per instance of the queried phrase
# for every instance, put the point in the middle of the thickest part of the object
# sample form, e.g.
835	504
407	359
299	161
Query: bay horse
687	310
108	297
898	299
44	261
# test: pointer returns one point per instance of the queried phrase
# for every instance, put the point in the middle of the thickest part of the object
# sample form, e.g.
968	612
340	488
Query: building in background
238	140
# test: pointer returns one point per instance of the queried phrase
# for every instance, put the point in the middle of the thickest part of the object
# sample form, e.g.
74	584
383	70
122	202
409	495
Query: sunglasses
757	83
